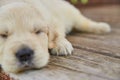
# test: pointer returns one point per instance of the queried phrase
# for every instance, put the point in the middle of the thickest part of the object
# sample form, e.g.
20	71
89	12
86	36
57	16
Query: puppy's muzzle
25	54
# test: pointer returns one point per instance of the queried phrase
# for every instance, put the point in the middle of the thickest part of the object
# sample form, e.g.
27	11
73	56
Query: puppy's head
23	38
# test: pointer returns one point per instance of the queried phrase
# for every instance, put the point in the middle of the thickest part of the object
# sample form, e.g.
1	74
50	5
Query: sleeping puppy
28	28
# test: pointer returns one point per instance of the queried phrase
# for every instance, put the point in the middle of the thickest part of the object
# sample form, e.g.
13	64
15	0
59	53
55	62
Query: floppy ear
52	36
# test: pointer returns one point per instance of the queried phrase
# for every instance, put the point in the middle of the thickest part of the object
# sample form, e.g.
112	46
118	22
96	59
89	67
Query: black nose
24	54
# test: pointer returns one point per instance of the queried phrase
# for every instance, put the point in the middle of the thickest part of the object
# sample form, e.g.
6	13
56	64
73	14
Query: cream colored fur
20	19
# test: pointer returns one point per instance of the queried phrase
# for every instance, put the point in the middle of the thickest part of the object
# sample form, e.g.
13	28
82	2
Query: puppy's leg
87	25
62	47
82	23
58	44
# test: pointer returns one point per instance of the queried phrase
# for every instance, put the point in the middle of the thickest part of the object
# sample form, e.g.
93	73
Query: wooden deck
96	57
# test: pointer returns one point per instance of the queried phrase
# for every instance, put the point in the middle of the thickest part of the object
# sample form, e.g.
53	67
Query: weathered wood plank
92	63
102	47
108	66
53	72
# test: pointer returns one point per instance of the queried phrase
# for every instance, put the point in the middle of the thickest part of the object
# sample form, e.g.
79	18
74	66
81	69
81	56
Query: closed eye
38	32
4	36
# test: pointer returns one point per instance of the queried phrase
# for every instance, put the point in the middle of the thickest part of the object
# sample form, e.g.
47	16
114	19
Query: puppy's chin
23	69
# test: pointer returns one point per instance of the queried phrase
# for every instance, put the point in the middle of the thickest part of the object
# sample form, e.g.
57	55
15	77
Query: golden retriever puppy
28	28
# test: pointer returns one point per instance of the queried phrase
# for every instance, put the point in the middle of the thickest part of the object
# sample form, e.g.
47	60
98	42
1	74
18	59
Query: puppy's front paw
63	47
102	28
